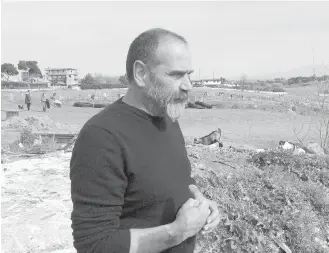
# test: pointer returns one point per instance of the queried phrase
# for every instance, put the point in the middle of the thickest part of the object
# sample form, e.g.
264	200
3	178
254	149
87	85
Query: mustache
182	97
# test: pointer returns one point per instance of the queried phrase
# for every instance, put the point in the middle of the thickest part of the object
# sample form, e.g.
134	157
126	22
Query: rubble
315	148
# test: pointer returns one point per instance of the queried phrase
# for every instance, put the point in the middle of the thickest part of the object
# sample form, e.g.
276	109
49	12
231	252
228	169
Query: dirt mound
14	123
36	124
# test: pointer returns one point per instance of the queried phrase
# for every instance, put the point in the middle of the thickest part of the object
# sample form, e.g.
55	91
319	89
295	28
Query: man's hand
190	219
214	218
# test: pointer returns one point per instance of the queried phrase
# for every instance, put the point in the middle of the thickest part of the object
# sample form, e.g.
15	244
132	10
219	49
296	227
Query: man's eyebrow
175	72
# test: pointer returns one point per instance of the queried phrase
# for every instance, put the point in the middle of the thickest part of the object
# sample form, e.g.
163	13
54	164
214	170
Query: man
44	102
52	99
28	100
131	184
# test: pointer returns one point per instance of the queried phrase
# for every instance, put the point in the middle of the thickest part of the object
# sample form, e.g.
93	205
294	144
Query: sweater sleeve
98	185
191	179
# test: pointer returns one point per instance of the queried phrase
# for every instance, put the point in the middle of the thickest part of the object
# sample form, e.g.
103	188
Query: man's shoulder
107	119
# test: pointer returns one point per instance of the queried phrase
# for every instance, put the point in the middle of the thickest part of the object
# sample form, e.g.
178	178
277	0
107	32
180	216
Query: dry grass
269	201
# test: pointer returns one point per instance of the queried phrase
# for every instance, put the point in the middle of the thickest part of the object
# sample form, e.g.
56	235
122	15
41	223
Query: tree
124	80
88	79
31	67
88	82
223	80
9	69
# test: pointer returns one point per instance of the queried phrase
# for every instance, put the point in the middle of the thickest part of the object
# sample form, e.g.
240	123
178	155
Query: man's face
169	82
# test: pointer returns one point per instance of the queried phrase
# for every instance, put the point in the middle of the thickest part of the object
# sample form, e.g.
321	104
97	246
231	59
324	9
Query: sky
226	39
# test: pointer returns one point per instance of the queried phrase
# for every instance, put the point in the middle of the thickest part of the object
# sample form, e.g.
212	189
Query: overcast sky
226	38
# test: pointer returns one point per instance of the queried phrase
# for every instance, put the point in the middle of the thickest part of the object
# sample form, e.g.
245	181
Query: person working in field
44	102
28	100
52	99
131	184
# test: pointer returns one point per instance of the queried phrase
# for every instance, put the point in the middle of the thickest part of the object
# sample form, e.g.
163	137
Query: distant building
196	83
203	82
26	77
211	81
33	78
62	76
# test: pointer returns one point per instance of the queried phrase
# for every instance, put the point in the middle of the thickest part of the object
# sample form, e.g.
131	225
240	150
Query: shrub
276	89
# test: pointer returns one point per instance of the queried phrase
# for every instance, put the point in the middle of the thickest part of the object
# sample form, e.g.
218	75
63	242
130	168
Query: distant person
52	99
44	102
28	100
131	183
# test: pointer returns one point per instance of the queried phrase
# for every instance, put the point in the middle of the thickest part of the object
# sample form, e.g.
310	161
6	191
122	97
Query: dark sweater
128	170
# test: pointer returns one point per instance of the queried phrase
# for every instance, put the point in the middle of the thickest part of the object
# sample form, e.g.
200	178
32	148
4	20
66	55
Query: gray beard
160	105
160	101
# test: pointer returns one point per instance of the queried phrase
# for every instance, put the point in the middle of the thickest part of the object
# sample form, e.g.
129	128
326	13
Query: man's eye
177	76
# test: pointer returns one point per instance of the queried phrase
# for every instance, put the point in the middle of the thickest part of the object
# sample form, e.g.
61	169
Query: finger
214	215
204	206
196	192
192	202
211	225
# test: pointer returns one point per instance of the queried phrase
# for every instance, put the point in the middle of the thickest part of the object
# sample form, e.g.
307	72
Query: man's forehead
174	54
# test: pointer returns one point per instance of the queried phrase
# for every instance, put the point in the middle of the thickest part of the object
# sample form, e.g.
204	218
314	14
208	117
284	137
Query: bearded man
131	184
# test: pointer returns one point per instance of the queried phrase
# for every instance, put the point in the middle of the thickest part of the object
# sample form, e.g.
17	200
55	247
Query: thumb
195	192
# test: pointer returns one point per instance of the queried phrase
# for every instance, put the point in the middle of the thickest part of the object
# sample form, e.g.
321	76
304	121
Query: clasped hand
214	217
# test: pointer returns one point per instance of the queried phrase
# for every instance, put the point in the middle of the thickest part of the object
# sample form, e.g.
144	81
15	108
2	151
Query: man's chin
175	111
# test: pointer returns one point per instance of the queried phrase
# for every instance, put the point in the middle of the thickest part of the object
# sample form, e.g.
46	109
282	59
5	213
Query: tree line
99	81
304	79
31	67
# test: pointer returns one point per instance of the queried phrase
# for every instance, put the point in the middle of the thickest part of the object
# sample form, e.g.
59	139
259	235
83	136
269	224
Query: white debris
36	205
299	151
259	150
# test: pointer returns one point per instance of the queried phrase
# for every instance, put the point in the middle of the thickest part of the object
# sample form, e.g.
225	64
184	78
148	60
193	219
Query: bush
27	138
203	104
278	90
22	85
82	104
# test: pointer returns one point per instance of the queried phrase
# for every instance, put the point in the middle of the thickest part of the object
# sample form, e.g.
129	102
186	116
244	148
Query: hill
307	70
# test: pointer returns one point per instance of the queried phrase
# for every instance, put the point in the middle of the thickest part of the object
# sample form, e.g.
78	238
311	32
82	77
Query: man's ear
139	70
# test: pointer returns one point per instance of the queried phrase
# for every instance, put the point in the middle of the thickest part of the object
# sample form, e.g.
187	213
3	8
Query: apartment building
62	76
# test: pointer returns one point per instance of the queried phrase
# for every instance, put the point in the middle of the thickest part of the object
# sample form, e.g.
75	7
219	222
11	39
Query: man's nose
186	85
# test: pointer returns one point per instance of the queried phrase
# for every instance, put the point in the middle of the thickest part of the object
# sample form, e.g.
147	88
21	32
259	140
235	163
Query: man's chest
158	169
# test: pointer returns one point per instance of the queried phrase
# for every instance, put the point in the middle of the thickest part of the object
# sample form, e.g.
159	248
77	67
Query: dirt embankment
37	124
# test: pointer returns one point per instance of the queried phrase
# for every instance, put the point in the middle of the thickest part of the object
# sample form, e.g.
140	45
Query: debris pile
258	202
36	124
